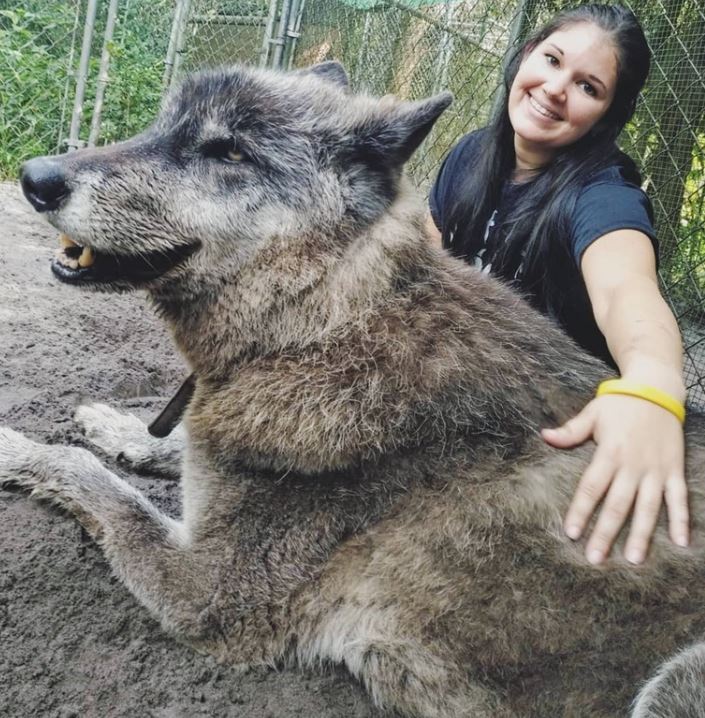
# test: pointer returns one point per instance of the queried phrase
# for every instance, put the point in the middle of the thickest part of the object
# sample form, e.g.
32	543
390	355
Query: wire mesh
411	48
219	33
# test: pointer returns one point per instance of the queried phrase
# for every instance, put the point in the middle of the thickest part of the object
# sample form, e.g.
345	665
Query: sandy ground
73	641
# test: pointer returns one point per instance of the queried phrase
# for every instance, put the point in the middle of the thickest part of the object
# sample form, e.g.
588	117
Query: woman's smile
543	111
563	87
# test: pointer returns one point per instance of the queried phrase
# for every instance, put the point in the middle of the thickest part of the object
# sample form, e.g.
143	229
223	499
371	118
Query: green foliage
39	51
33	67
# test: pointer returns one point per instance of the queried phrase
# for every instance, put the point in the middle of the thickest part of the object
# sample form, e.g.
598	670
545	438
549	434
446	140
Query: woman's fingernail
635	556
572	532
682	541
595	557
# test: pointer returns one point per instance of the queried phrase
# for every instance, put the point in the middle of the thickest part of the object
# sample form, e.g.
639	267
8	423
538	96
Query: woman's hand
638	463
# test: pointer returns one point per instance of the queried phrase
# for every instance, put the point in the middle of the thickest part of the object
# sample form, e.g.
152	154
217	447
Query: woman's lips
543	111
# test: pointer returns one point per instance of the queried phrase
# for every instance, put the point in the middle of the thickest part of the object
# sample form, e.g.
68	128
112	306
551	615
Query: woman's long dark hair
539	225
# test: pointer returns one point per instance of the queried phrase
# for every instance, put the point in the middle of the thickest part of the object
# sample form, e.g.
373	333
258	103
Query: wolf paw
120	436
124	437
60	474
35	466
16	455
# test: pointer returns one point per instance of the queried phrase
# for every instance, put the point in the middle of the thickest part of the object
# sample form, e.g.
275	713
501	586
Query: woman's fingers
613	515
646	511
591	489
677	504
574	432
625	492
647	498
637	463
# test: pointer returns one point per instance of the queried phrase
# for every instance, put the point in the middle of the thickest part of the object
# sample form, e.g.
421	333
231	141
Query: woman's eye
589	89
551	59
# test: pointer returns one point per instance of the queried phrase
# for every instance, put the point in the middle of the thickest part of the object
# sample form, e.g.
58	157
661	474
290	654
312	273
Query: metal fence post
171	47
60	139
103	73
179	49
82	77
292	31
269	29
359	67
176	40
280	40
521	25
445	50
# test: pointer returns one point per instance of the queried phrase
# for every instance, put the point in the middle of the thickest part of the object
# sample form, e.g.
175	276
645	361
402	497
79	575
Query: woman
543	198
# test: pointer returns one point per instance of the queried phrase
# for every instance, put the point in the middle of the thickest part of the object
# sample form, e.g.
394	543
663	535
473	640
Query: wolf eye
225	151
234	155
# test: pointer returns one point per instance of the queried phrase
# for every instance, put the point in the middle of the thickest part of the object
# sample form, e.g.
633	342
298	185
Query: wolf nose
43	183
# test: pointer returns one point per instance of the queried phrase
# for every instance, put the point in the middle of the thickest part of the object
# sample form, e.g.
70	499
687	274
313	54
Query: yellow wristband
643	391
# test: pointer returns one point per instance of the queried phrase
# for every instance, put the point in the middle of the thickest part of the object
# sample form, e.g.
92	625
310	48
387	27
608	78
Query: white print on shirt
478	260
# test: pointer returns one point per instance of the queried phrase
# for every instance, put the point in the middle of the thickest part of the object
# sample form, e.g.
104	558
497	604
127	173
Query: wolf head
237	159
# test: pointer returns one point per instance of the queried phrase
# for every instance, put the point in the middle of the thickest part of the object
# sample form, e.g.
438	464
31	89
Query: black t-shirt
607	202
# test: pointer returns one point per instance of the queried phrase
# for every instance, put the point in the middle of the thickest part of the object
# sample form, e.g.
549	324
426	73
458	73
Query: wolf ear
331	71
417	119
395	135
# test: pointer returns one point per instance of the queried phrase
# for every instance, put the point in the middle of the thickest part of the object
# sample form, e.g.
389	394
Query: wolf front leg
125	438
147	549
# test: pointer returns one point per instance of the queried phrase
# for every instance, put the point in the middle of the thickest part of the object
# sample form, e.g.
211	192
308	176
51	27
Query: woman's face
563	87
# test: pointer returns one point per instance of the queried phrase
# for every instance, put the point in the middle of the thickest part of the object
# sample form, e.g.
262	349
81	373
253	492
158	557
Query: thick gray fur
363	478
677	690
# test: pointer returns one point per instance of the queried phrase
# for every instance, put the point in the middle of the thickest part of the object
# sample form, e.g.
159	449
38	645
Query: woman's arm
639	459
434	235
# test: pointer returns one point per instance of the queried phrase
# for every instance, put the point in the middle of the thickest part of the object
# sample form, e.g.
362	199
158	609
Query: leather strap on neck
164	424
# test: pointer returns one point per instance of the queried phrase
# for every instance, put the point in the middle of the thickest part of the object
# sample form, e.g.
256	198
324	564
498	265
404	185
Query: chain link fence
79	72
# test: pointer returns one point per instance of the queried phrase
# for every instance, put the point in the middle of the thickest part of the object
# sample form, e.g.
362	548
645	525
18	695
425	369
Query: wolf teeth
65	260
66	241
87	258
68	253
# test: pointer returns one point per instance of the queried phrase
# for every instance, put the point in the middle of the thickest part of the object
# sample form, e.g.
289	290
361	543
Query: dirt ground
73	641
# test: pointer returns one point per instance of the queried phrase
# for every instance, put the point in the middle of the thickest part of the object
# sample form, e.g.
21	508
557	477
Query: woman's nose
555	88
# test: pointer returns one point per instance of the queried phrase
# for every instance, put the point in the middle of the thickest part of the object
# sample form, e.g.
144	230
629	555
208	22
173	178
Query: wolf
363	479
